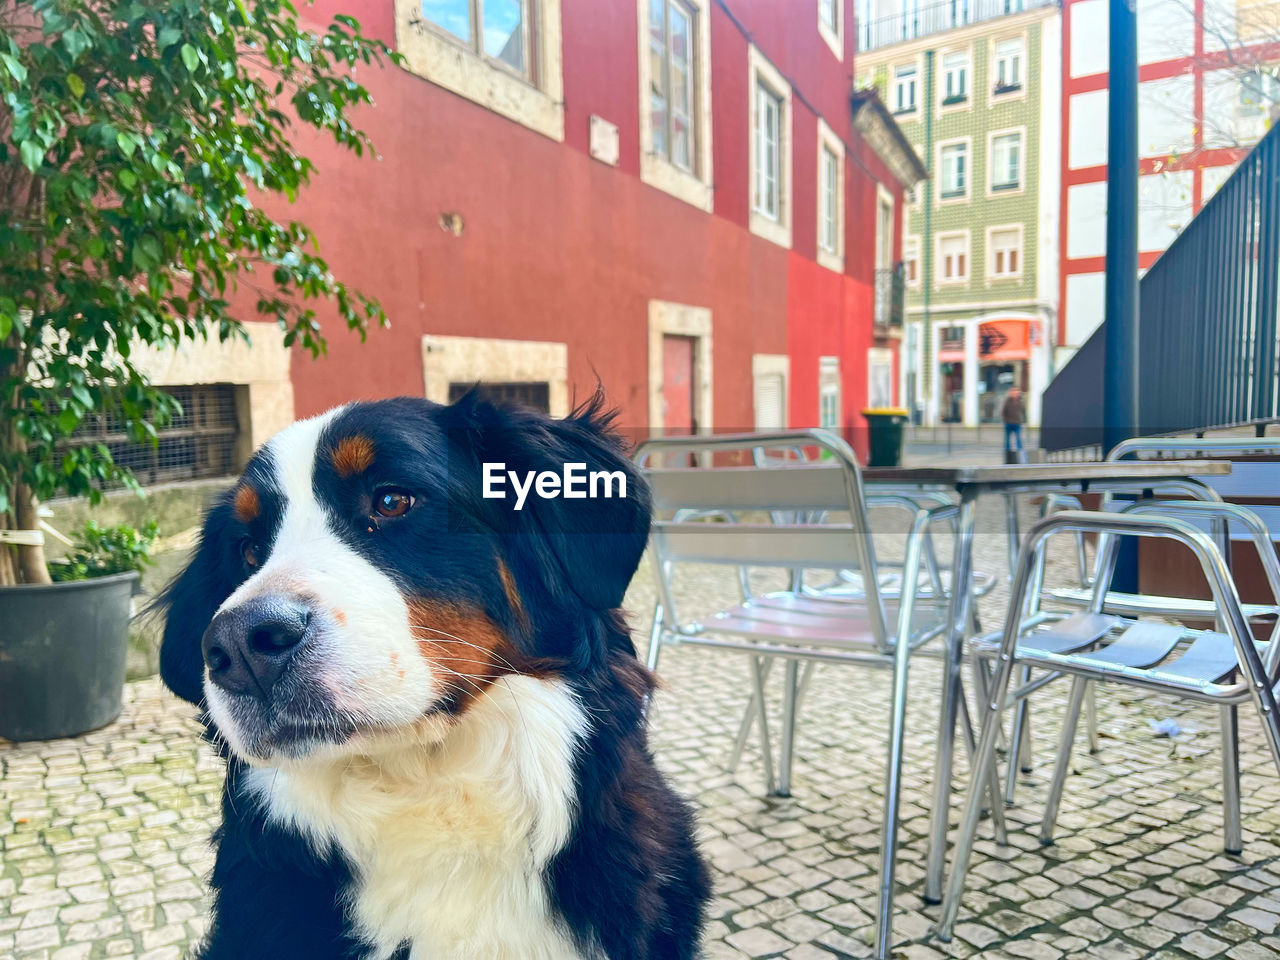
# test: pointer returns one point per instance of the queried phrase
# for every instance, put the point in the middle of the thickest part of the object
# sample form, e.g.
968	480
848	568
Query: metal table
970	483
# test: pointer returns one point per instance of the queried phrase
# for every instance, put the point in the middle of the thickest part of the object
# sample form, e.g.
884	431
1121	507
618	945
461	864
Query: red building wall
558	246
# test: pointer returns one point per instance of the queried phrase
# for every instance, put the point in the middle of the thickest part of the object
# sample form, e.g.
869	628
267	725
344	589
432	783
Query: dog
429	702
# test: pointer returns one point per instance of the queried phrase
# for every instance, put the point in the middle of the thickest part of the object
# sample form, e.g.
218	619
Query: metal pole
926	242
1120	377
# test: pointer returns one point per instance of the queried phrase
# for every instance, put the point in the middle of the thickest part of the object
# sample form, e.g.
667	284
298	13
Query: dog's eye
390	502
251	553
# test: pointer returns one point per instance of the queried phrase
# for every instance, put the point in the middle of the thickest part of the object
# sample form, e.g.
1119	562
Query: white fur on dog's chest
450	834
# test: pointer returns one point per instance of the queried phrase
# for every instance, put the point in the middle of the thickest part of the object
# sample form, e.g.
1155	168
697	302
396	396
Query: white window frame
833	38
691	186
771	365
1021	134
829	389
878	357
917	83
1021	247
762	73
967	102
967	143
883	253
993	72
940	278
439	57
911	253
828	141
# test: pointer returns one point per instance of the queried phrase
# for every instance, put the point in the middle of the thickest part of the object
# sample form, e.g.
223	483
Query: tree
136	137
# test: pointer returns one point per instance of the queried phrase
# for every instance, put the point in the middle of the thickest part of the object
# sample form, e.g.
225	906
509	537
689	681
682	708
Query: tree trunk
31	565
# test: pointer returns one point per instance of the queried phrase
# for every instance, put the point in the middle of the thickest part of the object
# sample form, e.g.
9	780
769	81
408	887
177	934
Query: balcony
890	297
937	17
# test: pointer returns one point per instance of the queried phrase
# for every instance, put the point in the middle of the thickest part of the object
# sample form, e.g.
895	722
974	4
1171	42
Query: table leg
953	656
1012	531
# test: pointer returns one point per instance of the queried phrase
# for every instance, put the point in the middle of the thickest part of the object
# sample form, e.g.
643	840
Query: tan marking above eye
352	455
247	506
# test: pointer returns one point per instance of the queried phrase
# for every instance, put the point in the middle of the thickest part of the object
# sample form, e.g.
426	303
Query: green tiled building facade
980	105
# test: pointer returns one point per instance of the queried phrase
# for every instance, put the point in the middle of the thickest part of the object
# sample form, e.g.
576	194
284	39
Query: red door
678	418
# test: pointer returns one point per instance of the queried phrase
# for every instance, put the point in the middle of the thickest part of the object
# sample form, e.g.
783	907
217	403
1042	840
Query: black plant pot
62	656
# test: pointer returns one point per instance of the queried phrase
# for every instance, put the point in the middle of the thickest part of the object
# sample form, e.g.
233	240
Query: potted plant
63	654
137	139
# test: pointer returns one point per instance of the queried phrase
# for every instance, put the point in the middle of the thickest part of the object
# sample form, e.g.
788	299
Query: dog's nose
248	647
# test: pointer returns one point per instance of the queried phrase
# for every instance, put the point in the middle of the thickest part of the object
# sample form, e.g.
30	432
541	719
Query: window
829	14
1006	161
911	260
534	394
1008	66
497	29
768	152
904	89
502	54
879	377
829	392
1005	251
830	199
955	78
884	229
770	157
955	170
953	257
769	390
1259	96
828	235
671	59
198	442
831	25
675	98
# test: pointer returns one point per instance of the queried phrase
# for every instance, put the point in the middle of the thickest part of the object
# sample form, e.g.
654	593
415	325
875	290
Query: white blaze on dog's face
368	587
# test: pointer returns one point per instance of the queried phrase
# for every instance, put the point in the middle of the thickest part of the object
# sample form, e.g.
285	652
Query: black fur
629	883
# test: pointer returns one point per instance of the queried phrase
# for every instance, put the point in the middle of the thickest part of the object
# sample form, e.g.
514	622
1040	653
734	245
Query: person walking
1013	413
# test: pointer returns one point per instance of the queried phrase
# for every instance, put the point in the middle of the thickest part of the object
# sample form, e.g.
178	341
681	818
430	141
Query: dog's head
357	581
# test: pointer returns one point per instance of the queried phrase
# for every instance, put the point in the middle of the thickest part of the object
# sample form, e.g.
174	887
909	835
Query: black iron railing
1207	351
936	17
890	298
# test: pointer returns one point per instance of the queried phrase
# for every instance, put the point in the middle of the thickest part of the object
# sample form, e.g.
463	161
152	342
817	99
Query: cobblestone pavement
103	839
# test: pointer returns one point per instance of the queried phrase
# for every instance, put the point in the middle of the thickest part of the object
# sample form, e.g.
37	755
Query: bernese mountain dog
429	702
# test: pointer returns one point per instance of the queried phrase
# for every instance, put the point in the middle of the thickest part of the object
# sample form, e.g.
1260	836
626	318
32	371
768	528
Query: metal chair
791	624
1225	667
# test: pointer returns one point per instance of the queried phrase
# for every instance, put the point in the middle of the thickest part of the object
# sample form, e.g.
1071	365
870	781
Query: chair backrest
1254	480
693	503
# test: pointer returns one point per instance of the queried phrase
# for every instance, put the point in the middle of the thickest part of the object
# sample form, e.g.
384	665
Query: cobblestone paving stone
104	839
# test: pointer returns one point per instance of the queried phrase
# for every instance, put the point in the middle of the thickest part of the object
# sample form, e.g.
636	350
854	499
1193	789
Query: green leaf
75	85
15	68
126	144
32	155
190	57
6	325
168	37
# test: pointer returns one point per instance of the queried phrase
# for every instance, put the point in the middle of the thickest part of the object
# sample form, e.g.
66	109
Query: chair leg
1233	835
993	776
1091	716
892	804
749	716
790	687
1019	745
1069	724
655	638
762	715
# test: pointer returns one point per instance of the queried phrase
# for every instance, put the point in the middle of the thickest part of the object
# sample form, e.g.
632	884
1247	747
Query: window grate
198	442
534	394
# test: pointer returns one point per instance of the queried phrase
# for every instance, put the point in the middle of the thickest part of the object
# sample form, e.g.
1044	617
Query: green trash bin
885	426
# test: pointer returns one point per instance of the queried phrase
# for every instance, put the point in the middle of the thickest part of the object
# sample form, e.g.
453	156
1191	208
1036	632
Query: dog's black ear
590	545
189	603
